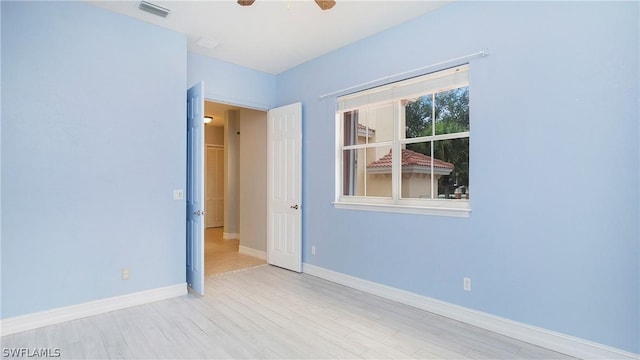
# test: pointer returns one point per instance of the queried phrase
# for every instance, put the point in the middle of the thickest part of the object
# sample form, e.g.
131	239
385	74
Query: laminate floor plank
529	351
378	347
430	350
234	340
262	323
298	320
182	330
92	340
70	333
126	323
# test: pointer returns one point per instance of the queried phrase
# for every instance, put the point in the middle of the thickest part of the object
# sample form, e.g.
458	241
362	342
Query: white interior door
195	188
284	160
215	187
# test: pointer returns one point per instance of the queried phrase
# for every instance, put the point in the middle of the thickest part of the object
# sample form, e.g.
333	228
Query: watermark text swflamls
30	352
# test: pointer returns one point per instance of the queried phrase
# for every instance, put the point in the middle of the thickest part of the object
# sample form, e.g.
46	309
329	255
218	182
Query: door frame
266	110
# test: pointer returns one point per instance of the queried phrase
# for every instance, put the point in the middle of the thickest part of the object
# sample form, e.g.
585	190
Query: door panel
215	187
195	188
284	235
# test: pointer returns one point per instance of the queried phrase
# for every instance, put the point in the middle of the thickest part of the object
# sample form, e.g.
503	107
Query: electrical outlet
313	250
125	274
466	284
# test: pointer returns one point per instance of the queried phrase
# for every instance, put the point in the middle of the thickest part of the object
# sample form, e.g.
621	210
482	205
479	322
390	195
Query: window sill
442	210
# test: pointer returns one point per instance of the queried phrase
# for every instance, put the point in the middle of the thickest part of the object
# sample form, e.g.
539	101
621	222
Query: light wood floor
269	313
221	256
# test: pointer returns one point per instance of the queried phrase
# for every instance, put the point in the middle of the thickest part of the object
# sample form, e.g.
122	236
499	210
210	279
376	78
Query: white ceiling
275	35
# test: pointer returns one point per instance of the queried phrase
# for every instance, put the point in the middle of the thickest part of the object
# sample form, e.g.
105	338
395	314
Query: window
404	147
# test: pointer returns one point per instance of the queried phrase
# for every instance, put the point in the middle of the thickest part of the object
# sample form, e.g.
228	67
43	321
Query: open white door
195	188
284	160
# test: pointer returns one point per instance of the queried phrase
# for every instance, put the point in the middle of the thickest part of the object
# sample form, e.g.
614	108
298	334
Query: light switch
178	194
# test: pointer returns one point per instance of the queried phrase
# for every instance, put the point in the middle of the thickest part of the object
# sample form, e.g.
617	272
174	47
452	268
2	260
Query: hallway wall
253	179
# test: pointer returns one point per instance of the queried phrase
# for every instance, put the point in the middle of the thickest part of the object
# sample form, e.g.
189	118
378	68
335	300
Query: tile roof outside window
411	158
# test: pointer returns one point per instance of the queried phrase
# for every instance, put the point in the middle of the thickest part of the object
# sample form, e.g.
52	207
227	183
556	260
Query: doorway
235	188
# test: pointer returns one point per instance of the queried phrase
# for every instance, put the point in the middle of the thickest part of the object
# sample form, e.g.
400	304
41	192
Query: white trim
40	319
404	209
552	340
434	137
230	236
252	252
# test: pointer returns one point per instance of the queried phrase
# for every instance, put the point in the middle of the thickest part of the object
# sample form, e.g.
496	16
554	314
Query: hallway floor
222	256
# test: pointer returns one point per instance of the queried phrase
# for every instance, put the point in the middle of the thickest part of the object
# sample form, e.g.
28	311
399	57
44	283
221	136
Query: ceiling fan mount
323	4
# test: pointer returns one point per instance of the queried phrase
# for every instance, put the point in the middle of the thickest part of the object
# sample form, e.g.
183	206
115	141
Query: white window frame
396	204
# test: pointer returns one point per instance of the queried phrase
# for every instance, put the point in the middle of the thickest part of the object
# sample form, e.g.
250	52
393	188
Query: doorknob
294	206
199	213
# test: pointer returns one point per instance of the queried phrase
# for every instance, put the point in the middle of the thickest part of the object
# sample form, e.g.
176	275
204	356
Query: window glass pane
350	127
417	171
417	117
352	179
452	111
450	172
373	179
379	162
456	184
375	123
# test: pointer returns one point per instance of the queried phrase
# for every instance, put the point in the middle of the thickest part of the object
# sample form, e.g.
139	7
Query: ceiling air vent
154	9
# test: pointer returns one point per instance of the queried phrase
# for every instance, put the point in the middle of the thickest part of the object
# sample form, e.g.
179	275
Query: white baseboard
252	252
230	236
552	340
26	322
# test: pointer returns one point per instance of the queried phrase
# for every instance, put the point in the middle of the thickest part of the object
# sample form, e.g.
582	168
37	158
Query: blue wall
232	84
553	237
92	141
93	144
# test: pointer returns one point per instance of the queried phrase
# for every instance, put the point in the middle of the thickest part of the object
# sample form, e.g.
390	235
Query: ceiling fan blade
325	4
246	2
